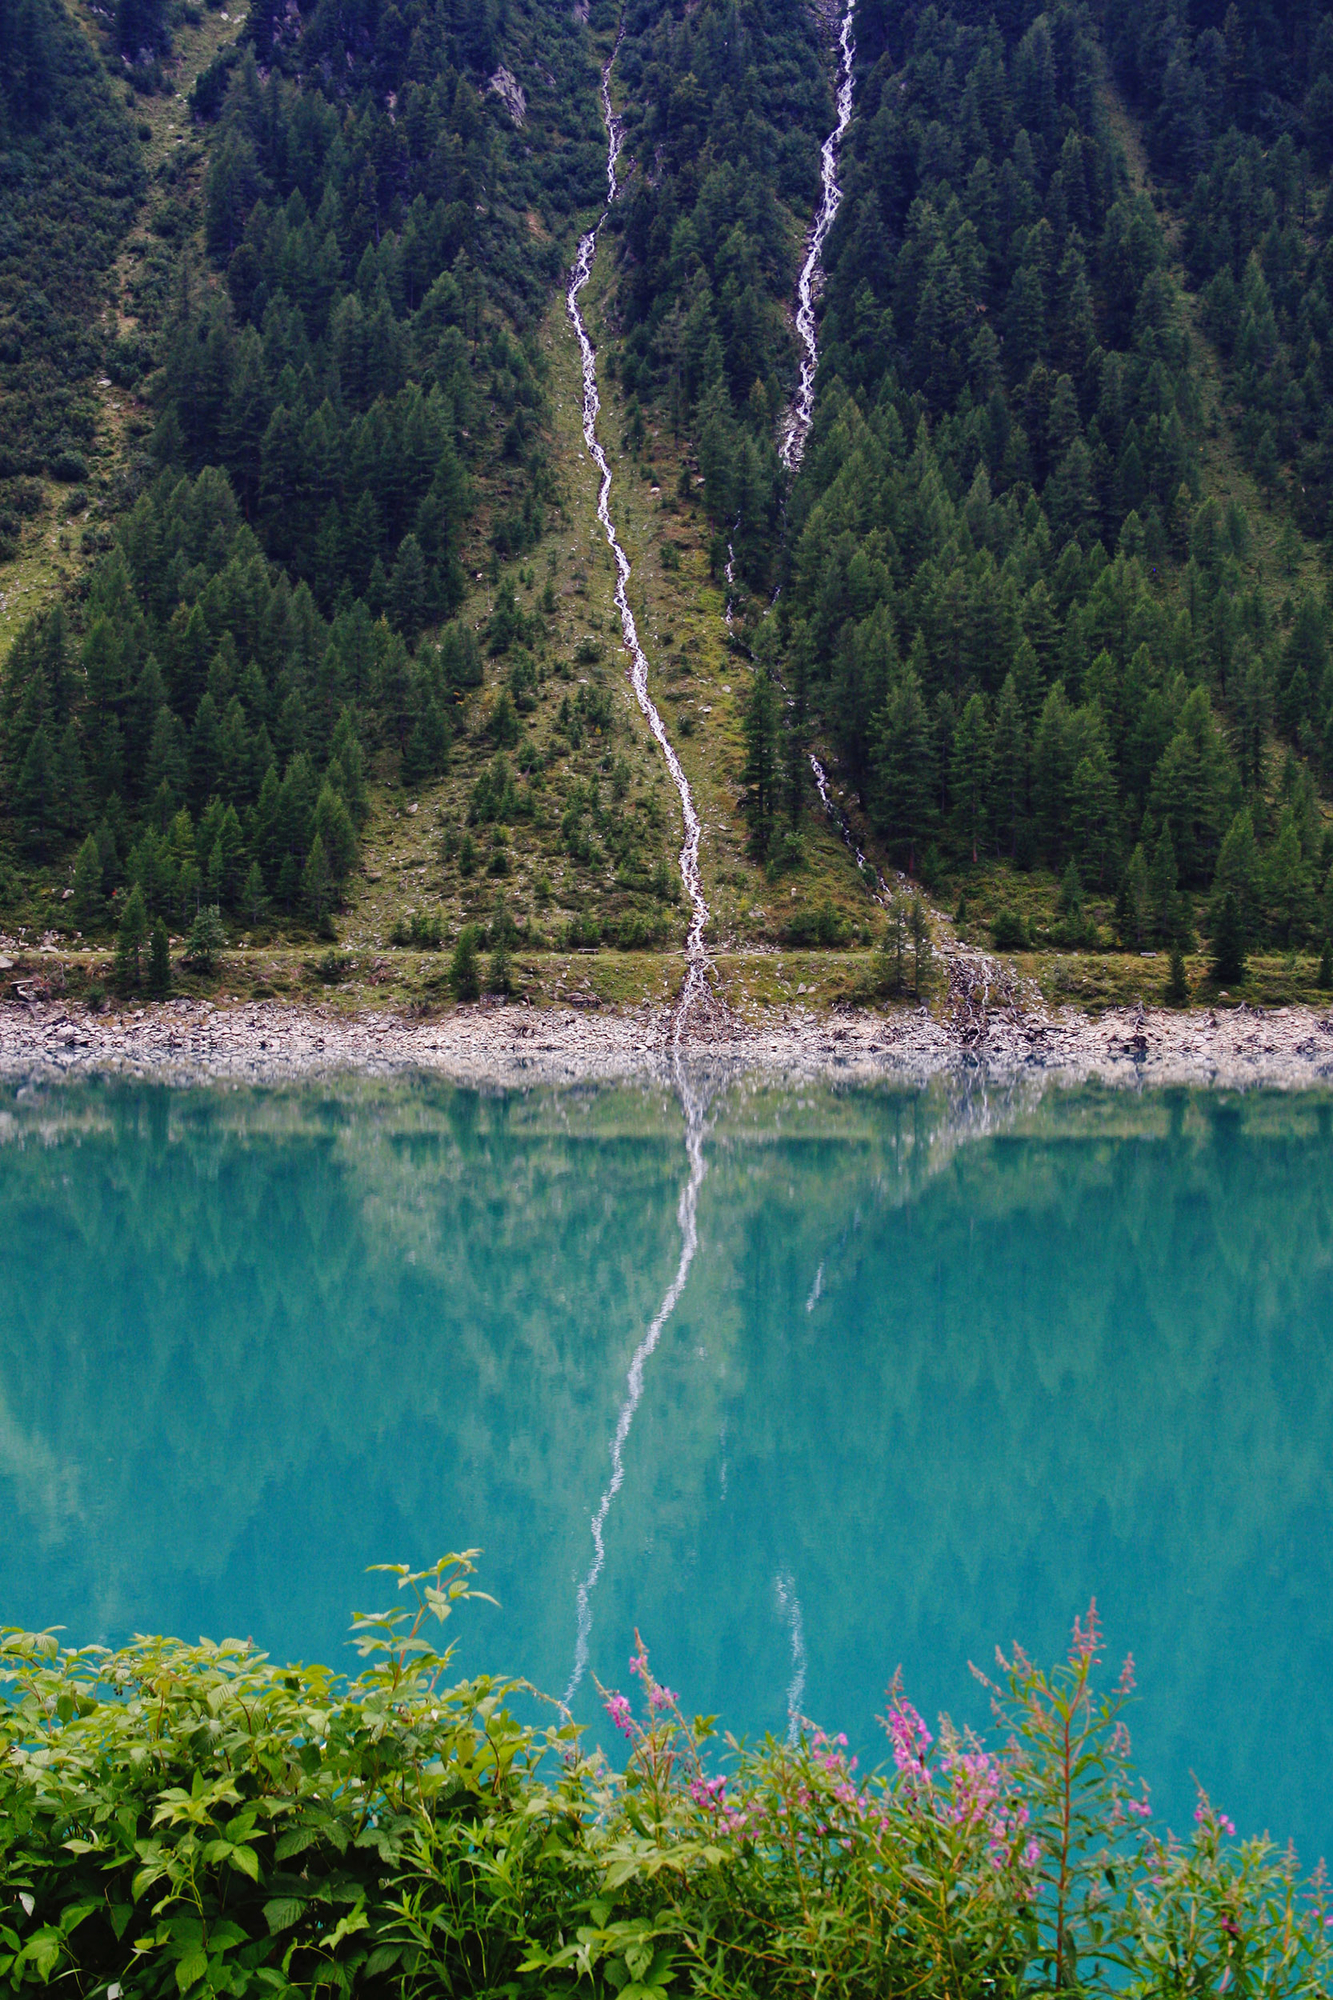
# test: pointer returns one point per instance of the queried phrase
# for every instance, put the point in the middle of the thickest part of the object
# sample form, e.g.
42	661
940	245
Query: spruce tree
317	881
463	975
87	904
918	924
206	939
130	937
159	962
893	945
499	976
1229	942
253	898
1177	986
762	774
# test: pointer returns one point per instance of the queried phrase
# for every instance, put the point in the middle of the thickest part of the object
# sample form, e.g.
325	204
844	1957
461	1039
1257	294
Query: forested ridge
1047	588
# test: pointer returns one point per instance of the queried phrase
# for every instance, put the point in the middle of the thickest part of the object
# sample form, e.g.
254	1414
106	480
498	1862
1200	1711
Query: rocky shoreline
518	1046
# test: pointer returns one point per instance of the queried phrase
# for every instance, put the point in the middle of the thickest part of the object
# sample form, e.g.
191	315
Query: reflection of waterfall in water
790	1606
686	1217
694	1098
796	428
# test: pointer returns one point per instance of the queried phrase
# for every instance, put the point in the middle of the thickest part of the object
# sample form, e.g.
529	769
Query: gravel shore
518	1046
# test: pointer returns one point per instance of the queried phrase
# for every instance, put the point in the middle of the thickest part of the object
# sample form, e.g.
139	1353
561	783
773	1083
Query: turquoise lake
946	1364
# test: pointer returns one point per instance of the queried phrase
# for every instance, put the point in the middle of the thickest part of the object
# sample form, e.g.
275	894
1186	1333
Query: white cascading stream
796	429
694	1099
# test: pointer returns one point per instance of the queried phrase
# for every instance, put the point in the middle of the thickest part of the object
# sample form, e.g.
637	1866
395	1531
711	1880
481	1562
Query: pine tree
762	775
317	881
463	975
87	903
970	774
1163	879
893	945
130	938
499	976
1071	904
1229	941
206	940
1177	986
35	803
253	898
159	962
918	924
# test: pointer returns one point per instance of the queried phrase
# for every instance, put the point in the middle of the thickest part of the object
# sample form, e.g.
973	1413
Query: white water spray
789	1604
795	431
870	875
693	1098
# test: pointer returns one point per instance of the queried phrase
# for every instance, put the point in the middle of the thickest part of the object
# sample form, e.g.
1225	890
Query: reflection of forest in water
251	1341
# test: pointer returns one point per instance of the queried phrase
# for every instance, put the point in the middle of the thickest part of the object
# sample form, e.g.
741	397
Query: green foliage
1177	986
130	935
206	940
159	962
464	976
1230	941
71	178
422	932
1009	932
179	1819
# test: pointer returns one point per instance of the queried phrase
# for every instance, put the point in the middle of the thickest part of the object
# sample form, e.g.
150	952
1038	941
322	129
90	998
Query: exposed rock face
510	92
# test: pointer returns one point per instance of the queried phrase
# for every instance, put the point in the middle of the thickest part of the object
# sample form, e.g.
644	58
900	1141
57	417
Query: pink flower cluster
658	1697
910	1737
619	1711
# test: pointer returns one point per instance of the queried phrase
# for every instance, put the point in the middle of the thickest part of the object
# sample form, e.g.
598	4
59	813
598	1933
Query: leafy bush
332	967
823	926
195	1820
582	934
1009	932
422	932
641	932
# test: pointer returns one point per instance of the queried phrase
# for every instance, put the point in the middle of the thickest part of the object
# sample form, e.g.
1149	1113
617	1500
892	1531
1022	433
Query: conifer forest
1018	601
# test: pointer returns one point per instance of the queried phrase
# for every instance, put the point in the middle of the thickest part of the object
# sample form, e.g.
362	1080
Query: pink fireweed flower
619	1711
1087	1638
661	1697
1139	1807
911	1739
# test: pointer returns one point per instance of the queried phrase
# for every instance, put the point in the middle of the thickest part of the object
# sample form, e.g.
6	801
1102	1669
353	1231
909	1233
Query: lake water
944	1366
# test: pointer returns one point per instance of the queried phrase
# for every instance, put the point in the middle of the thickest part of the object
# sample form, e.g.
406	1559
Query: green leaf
357	1921
295	1842
282	1913
381	1959
245	1861
191	1970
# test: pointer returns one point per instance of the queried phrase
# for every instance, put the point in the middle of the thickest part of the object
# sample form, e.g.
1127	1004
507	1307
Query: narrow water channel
693	1094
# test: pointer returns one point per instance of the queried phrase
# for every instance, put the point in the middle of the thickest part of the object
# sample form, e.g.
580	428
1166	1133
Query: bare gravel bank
519	1046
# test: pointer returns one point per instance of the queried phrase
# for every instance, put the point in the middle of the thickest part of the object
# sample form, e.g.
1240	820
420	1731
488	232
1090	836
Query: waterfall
797	427
694	1097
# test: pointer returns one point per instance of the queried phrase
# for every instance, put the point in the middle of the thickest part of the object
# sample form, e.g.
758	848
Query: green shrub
180	1820
332	967
823	926
422	932
1009	932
